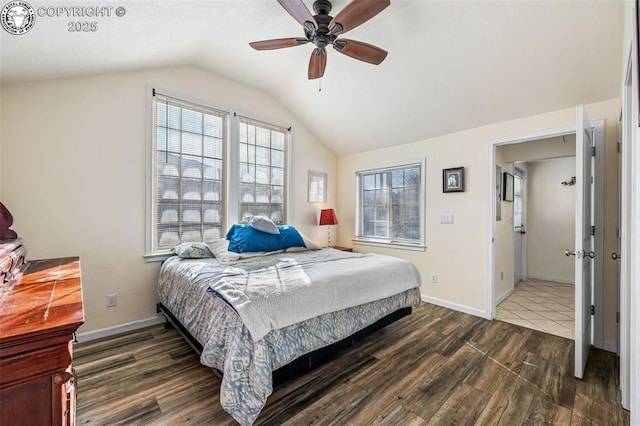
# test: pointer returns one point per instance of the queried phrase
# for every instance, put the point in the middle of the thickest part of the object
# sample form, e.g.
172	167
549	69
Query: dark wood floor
436	366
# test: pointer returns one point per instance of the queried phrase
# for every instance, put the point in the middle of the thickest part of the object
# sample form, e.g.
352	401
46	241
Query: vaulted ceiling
452	65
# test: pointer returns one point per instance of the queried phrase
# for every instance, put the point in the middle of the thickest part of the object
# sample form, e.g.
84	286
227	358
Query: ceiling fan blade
278	43
361	51
299	11
356	13
317	63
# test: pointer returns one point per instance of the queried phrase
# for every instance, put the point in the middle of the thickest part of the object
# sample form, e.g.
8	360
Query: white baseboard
456	307
610	347
504	295
552	279
119	329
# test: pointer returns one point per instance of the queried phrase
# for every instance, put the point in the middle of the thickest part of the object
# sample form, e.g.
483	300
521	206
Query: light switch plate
446	219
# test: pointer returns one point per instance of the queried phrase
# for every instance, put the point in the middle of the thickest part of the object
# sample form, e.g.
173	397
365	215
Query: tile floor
541	305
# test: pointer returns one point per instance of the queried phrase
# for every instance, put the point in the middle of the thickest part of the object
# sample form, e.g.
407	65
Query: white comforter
275	291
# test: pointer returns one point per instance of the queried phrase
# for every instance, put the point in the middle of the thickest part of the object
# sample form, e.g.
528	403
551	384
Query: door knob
615	256
568	253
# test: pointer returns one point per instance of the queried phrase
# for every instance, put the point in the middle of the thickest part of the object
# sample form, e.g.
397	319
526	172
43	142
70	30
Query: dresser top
46	300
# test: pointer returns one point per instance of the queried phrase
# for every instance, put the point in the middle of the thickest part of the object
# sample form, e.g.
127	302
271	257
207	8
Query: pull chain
320	73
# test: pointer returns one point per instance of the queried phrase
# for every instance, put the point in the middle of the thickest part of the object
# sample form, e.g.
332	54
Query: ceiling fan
323	30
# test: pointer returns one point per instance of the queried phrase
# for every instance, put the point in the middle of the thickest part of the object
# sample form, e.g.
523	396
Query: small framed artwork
317	187
507	187
453	180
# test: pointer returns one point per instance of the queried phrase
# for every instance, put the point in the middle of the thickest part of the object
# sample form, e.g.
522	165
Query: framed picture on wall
453	179
317	187
507	187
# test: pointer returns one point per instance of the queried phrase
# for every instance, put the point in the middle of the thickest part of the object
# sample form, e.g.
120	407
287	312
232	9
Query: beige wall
463	278
73	172
550	219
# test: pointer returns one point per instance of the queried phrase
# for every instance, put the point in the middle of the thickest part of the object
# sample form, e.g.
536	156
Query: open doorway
541	216
536	146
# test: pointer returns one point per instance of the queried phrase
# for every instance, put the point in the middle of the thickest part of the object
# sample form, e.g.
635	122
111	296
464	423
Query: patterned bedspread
227	344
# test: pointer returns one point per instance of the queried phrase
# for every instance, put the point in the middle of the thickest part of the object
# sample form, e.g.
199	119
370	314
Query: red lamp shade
328	217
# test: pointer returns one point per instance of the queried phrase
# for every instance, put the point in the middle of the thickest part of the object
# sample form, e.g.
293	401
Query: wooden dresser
40	310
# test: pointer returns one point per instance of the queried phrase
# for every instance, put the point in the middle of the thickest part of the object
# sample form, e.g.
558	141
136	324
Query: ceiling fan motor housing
322	36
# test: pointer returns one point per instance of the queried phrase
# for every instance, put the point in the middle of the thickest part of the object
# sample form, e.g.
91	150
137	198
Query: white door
518	225
583	245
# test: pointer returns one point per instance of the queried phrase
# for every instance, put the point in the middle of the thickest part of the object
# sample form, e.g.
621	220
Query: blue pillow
244	238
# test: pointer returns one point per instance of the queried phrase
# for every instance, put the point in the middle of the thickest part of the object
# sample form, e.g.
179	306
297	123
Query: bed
258	320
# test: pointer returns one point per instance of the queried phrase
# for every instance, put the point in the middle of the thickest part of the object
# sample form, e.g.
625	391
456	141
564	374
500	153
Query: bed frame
305	362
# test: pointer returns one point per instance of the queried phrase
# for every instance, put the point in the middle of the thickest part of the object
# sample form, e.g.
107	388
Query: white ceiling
452	65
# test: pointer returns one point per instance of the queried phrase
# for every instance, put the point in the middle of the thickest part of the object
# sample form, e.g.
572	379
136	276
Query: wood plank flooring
434	367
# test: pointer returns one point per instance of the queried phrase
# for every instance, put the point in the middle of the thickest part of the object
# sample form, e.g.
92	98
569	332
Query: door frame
629	178
598	285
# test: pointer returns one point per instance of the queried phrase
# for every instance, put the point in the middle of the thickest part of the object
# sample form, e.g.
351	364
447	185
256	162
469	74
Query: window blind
188	172
262	171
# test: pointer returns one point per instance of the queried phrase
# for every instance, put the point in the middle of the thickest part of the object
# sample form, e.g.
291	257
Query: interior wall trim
119	329
456	307
501	298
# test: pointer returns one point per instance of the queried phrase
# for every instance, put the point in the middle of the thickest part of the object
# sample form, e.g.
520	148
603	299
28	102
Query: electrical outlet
112	300
434	278
501	276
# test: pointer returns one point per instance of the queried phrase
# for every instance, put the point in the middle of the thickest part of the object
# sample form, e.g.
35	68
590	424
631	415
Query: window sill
390	244
157	257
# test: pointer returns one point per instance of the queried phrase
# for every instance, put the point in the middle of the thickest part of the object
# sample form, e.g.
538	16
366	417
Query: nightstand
342	248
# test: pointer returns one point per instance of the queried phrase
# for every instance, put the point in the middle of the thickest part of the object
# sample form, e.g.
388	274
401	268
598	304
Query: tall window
210	168
390	205
188	198
518	184
262	170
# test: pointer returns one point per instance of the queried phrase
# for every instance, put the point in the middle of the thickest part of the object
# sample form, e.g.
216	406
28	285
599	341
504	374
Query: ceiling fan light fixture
336	29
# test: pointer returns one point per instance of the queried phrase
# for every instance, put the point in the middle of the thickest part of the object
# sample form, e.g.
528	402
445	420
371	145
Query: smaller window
263	170
517	202
390	205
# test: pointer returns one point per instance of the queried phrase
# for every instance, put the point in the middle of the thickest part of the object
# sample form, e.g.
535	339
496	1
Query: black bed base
306	362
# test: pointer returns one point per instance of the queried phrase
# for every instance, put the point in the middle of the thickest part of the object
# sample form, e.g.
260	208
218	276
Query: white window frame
231	180
390	242
518	175
266	125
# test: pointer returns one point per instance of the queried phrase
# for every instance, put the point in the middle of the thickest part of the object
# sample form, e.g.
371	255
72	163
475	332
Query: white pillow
219	250
264	224
310	245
